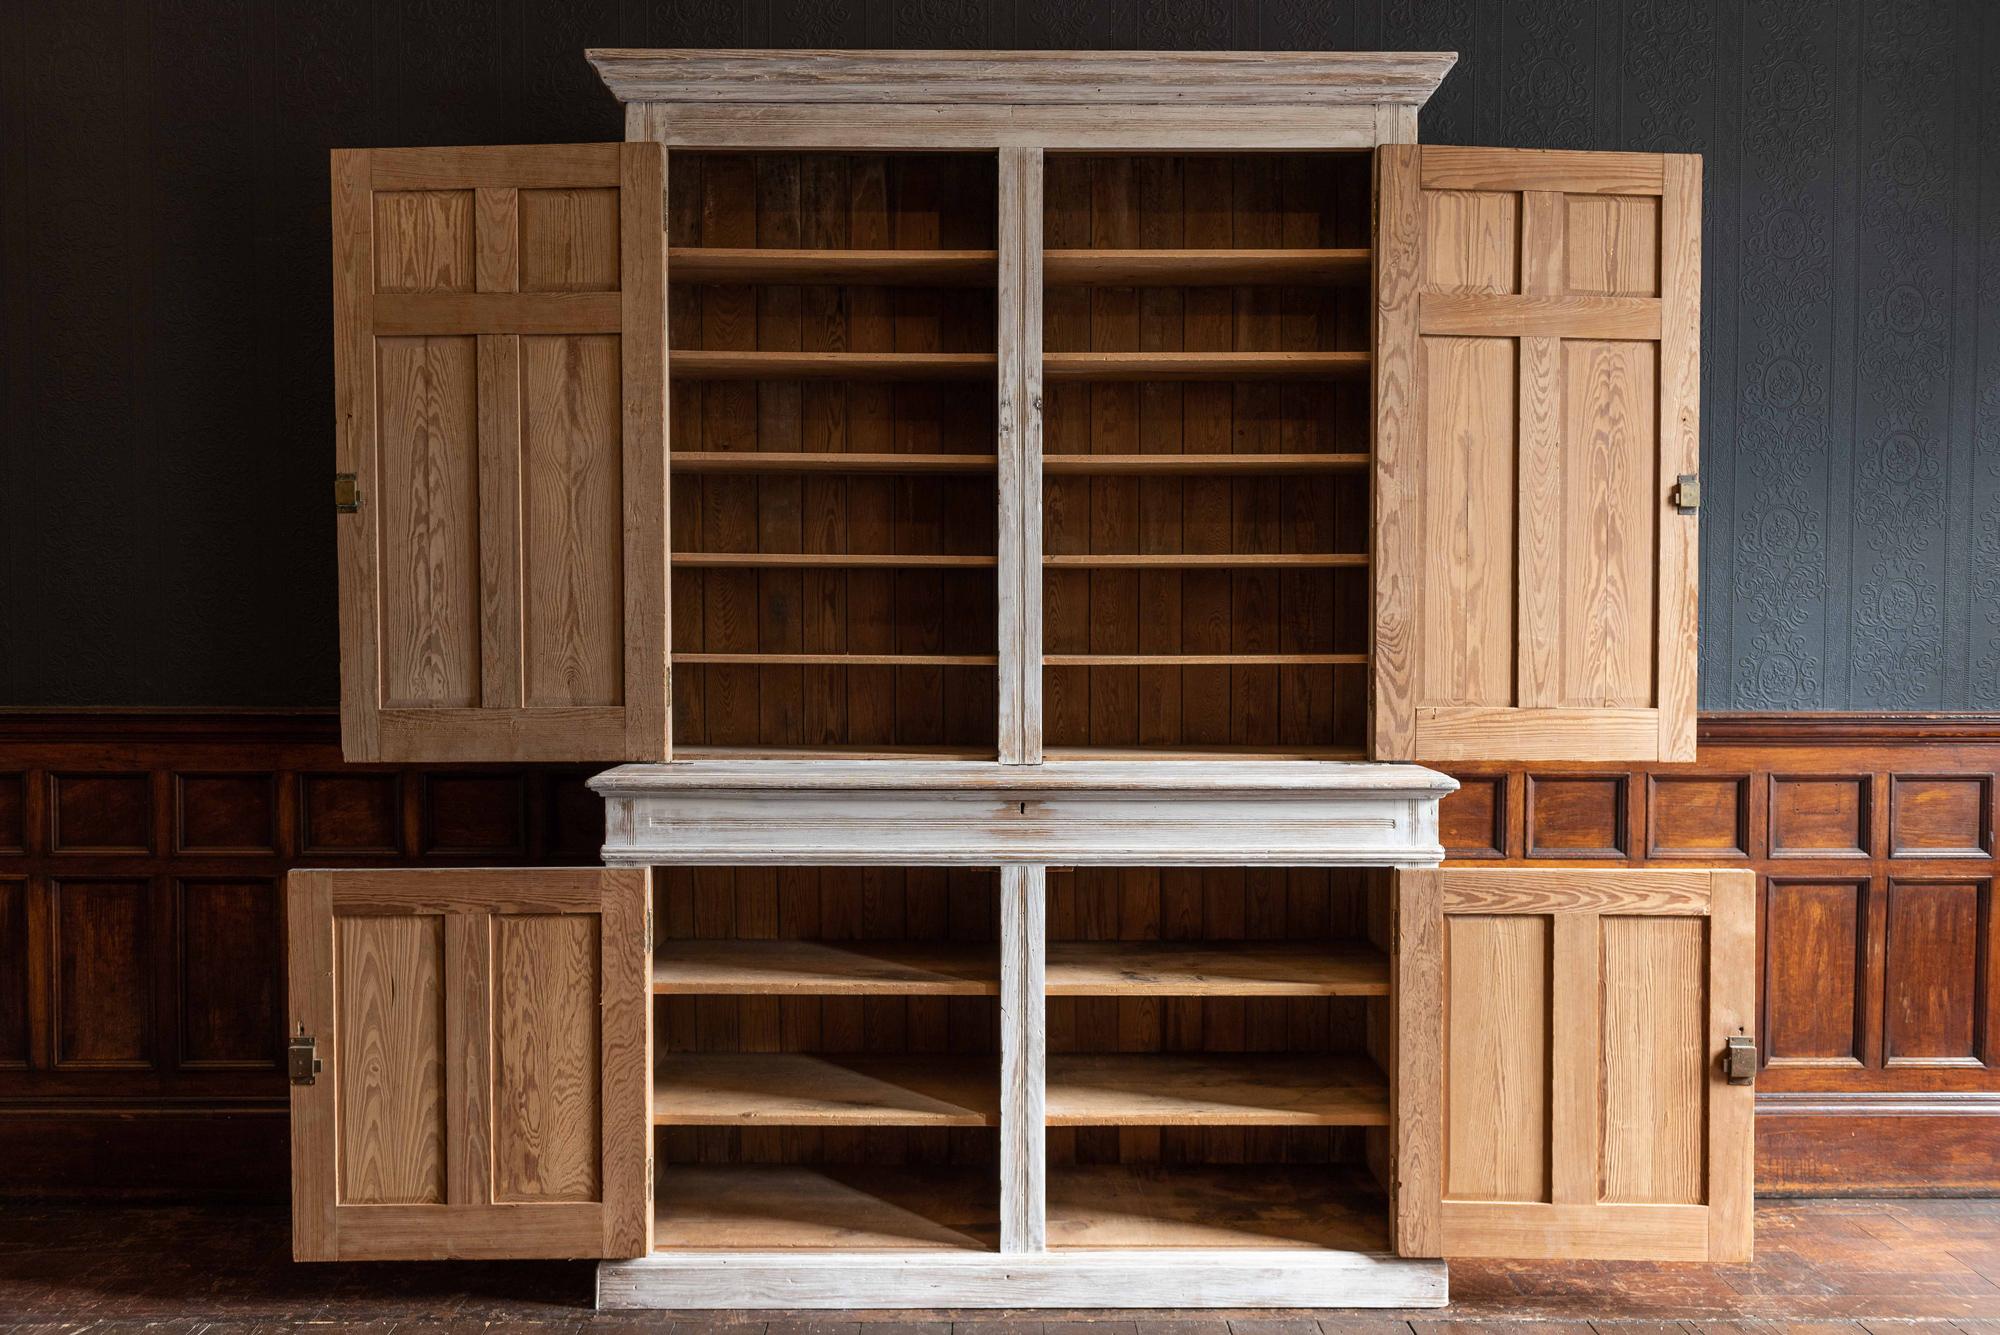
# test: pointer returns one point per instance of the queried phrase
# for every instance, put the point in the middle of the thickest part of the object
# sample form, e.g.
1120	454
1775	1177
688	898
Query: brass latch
1739	1059
1686	494
346	493
302	1061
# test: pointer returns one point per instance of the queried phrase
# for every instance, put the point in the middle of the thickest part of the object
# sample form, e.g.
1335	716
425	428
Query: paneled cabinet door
1537	409
483	1051
1561	1077
500	390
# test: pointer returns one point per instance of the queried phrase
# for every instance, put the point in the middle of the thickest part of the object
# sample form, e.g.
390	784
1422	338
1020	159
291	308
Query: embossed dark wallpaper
165	368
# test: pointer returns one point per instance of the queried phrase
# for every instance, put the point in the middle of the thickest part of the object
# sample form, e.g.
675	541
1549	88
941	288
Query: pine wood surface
768	566
1215	968
1123	494
758	1207
1537	354
827	968
1209	1090
797	1089
1239	1206
1174	266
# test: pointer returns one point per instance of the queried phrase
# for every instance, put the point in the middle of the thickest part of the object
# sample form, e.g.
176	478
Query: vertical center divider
1018	341
1023	1057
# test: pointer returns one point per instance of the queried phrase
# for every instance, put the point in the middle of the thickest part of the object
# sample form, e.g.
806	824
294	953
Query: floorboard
1822	1266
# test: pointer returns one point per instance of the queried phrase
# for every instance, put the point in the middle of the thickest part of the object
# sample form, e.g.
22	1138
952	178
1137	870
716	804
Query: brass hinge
1739	1059
302	1061
1686	494
649	931
346	493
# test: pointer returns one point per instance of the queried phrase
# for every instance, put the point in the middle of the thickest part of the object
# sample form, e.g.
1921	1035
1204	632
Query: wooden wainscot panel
103	994
1815	965
474	816
230	973
1578	816
1472	822
1941	816
101	813
1821	815
1704	816
1937	972
14	984
348	815
13	813
226	813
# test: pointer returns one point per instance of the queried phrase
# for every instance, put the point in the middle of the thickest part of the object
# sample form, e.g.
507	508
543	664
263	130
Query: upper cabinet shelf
886	268
694	364
1202	268
1061	366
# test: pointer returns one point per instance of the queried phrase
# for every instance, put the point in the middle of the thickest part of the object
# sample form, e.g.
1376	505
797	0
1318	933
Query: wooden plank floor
1823	1266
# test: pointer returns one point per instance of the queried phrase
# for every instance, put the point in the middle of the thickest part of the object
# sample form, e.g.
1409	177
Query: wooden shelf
791	461
1194	268
1143	1205
783	1207
908	268
833	751
1204	660
826	560
826	968
797	1089
1116	465
1204	560
1215	969
1200	1089
1203	753
837	660
1058	367
697	364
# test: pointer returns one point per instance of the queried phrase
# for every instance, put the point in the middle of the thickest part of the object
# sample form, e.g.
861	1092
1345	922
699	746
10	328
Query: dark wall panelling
170	359
142	944
143	990
1880	1007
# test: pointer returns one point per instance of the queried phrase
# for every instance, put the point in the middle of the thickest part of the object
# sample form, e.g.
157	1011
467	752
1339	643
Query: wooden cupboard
1026	512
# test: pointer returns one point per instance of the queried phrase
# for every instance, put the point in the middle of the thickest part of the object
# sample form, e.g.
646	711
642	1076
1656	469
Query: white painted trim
1180	1278
1189	778
1097	79
948	828
1023	1057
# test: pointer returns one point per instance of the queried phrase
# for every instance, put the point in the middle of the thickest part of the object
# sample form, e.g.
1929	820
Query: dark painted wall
165	444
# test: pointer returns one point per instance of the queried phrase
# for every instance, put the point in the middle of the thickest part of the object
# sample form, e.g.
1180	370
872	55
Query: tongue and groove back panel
935	610
1265	202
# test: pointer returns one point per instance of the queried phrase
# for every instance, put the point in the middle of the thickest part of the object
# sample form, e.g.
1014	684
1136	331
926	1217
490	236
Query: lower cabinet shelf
780	1207
1248	1205
1251	1089
801	1089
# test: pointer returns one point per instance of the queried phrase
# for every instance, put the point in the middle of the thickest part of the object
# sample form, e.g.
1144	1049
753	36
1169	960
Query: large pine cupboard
1022	519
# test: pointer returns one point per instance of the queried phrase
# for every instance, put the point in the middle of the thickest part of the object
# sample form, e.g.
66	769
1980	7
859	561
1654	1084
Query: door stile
1019	473
315	1125
1023	1057
468	1021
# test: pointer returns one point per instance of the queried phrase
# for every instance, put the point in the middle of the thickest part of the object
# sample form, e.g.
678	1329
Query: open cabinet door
1566	1086
1537	434
470	1064
500	389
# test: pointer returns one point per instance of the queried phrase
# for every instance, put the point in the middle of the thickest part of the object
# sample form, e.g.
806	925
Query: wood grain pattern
1179	266
501	403
1498	1054
796	1089
854	606
1261	1089
391	1068
546	1059
1578	1048
1215	968
1553	317
1263	1207
486	1037
825	968
773	1207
